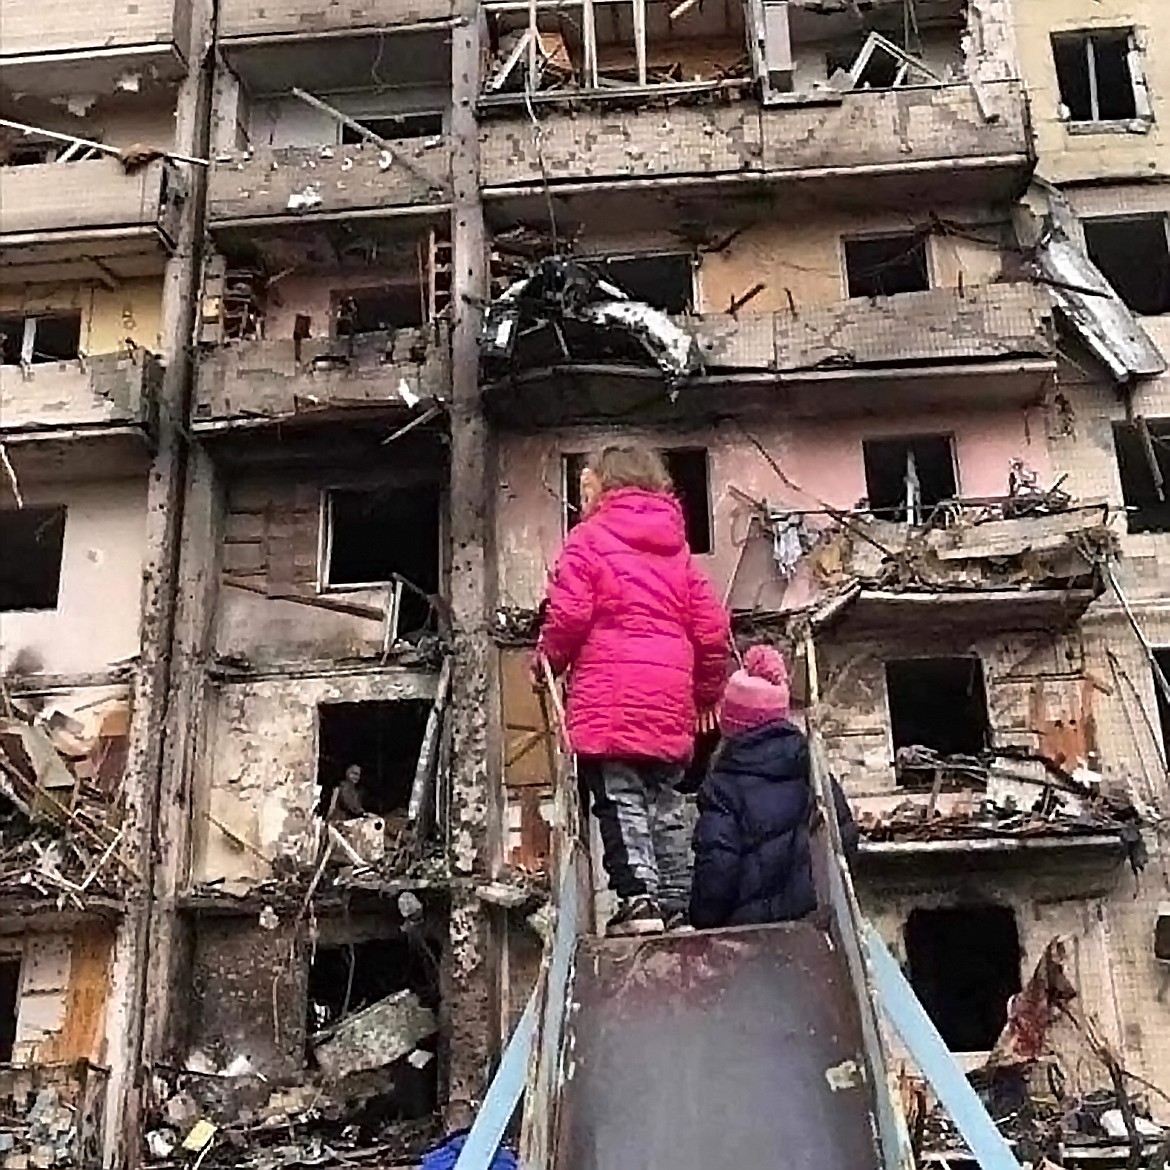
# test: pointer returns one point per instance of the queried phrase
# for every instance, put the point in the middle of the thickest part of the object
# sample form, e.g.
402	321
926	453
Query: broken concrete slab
377	1036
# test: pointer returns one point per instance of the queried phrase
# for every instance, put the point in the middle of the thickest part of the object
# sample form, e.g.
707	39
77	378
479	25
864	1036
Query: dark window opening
57	338
664	281
421	125
9	1006
348	978
964	965
30	154
1134	256
1162	658
1143	461
905	478
33	540
884	266
688	472
367	755
1094	76
937	703
377	310
11	340
388	534
880	70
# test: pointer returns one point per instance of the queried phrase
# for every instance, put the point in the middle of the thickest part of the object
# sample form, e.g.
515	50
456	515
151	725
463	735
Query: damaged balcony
242	20
930	143
99	218
102	50
888	354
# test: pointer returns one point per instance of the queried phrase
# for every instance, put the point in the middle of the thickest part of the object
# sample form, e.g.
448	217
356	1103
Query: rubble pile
61	803
368	1099
50	1116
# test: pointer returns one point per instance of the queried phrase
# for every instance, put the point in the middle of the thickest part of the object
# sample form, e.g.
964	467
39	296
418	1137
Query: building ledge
965	846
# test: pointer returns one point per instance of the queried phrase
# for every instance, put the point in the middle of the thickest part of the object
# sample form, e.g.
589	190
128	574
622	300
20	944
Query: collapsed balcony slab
241	19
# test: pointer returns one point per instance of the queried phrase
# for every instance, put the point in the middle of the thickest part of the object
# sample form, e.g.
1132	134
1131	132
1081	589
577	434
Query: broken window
351	977
1143	462
390	534
665	280
883	266
936	703
906	478
33	540
1134	256
427	124
964	965
9	1004
691	478
1162	658
378	310
367	754
53	337
1099	76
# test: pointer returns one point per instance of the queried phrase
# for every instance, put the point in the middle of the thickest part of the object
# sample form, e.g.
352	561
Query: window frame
1139	85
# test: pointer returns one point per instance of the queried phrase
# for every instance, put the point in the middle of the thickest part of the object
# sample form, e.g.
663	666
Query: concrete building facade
308	319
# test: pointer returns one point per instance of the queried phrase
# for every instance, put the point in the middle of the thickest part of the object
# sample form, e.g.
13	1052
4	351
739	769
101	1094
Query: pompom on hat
757	694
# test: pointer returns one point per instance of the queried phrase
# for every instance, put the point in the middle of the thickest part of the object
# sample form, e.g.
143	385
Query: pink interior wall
824	459
313	295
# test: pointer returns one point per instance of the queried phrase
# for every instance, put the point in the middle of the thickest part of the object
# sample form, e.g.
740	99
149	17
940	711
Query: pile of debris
51	1116
61	802
370	1100
1005	795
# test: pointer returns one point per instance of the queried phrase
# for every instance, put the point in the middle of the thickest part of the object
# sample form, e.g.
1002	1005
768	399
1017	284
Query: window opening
390	534
1142	448
378	310
427	124
1133	254
905	479
367	753
33	540
1097	75
936	703
9	1005
964	966
884	266
54	337
690	474
666	280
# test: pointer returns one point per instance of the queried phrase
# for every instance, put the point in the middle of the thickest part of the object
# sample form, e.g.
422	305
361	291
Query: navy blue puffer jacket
753	860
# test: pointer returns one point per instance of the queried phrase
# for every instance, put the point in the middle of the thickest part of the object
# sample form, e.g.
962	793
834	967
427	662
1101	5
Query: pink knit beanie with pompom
757	694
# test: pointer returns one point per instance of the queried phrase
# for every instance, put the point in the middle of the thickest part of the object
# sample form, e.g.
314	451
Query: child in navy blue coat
753	861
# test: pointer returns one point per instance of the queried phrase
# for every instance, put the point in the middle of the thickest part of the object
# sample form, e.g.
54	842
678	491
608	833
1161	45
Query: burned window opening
367	755
32	340
964	965
1162	659
1143	464
690	474
425	124
884	266
1095	74
665	280
879	72
936	703
31	154
1133	254
379	310
905	479
33	540
376	537
9	1005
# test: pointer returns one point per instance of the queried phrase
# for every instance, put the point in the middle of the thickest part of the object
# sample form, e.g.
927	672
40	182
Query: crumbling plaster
258	769
1068	154
824	459
62	27
96	622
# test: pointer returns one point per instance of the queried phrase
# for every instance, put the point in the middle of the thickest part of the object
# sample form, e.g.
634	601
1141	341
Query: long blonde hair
629	464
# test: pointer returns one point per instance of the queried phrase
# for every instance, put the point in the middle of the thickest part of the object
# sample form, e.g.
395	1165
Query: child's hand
538	671
705	721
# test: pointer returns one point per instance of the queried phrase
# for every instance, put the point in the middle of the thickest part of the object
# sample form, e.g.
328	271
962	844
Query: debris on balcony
375	1037
566	314
61	806
1046	1044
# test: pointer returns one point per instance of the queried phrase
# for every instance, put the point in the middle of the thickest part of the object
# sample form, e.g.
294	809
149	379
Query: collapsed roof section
566	314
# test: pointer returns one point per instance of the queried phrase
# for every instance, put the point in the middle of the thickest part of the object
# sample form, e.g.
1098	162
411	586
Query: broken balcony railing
566	313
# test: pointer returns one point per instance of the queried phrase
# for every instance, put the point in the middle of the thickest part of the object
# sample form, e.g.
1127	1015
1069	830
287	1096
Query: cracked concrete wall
272	540
257	379
866	128
823	458
278	182
990	50
258	769
239	18
96	622
105	390
1105	150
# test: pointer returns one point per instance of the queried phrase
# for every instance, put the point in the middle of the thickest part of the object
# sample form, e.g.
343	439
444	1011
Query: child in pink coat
645	642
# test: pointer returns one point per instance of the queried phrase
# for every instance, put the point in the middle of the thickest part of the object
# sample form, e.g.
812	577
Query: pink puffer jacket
639	628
